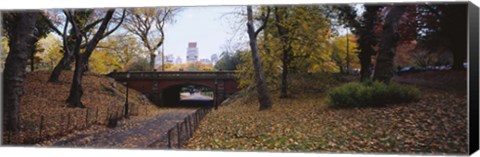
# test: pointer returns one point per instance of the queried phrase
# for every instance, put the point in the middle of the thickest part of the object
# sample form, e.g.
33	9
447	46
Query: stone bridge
163	88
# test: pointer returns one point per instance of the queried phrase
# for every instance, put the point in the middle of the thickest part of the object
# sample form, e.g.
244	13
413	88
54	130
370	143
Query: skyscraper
192	52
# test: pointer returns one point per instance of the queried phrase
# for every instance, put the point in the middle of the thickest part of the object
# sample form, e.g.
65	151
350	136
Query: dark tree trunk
283	90
367	40
152	61
384	68
21	36
76	90
456	29
262	90
32	60
365	63
62	65
286	48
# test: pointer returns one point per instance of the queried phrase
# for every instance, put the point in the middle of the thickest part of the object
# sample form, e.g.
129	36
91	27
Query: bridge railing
174	75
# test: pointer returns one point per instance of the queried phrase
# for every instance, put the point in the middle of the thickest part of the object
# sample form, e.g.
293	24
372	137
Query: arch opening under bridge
165	88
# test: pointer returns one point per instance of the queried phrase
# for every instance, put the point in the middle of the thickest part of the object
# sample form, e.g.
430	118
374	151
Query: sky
210	27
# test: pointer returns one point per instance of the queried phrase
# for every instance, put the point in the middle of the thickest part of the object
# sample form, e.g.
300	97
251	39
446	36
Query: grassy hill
102	97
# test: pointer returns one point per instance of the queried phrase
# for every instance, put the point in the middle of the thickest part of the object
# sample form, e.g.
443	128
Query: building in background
169	59
214	59
192	52
205	61
178	61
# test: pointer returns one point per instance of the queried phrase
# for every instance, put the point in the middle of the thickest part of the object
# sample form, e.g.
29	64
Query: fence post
122	112
190	124
178	136
41	126
169	136
194	122
138	110
189	129
96	115
186	126
86	118
68	121
62	125
197	121
116	115
108	114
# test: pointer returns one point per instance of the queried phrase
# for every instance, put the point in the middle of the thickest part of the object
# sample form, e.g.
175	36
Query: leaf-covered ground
101	94
436	124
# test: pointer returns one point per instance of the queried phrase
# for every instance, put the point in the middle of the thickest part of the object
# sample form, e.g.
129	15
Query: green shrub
371	94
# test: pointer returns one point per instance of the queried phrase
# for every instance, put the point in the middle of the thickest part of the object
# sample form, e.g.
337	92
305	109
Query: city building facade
192	52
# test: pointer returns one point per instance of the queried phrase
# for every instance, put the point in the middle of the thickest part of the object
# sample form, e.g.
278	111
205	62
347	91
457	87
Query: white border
46	4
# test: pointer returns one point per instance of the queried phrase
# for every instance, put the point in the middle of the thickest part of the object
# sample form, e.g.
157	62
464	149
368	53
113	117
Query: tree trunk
262	90
76	90
286	48
367	40
283	90
457	32
152	61
365	55
365	63
66	60
32	60
384	68
21	36
81	60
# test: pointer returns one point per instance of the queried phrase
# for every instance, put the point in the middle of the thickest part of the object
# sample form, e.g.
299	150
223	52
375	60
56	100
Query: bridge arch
156	84
174	95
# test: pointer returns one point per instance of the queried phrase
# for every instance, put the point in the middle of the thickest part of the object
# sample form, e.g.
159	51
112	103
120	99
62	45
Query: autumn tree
309	34
148	24
138	64
300	34
20	28
262	90
80	38
446	24
344	58
229	60
124	48
88	22
281	15
50	52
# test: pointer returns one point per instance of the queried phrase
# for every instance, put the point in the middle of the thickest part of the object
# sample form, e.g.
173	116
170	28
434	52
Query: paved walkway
132	134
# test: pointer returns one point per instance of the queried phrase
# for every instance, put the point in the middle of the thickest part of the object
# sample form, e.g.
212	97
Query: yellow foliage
103	62
52	51
195	66
307	36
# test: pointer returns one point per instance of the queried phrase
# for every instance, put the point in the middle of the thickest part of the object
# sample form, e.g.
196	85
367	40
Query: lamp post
126	97
215	95
348	58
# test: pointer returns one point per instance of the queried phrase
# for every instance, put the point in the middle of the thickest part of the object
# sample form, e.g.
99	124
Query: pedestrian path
131	134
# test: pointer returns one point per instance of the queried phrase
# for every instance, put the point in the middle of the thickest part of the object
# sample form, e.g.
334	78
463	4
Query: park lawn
436	124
